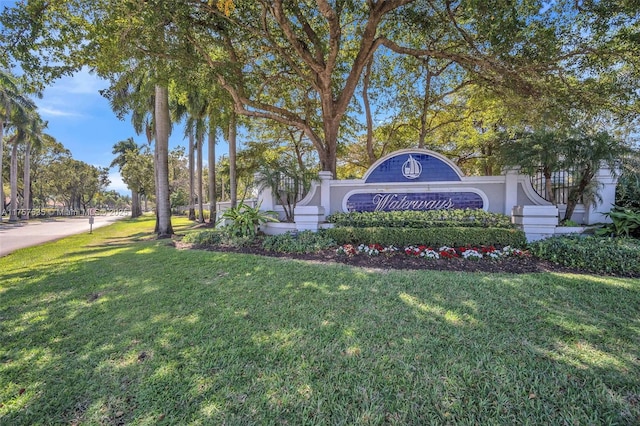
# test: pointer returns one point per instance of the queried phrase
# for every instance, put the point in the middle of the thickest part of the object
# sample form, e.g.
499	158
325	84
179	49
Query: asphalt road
14	236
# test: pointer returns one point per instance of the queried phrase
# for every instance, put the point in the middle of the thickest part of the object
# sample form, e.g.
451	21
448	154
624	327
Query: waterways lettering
390	201
385	202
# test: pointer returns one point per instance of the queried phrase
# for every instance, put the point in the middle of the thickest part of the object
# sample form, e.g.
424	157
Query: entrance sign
417	180
412	166
390	201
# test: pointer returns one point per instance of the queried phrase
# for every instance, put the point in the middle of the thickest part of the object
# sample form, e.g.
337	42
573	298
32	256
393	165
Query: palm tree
200	142
121	148
12	102
211	145
233	182
586	151
28	127
192	144
133	92
162	126
34	140
196	107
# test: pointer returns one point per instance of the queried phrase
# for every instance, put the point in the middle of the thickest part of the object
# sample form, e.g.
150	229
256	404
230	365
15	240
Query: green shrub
208	237
435	237
245	219
625	223
570	223
593	254
214	237
422	219
302	242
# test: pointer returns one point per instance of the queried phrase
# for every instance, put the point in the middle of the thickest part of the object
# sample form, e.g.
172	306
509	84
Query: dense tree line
346	81
39	171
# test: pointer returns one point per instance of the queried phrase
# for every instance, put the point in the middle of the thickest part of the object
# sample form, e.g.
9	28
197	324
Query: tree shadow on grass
150	334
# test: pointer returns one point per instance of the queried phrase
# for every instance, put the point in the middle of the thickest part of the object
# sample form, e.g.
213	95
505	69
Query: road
14	236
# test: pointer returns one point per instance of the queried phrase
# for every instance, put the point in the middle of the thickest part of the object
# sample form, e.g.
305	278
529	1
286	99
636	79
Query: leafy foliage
628	188
246	219
449	236
419	219
626	223
583	149
301	242
276	341
593	254
215	237
288	182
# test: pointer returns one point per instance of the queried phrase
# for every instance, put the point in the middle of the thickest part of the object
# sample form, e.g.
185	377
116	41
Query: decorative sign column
405	180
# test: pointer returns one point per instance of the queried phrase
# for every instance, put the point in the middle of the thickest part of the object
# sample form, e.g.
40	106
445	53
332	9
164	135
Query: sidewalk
14	236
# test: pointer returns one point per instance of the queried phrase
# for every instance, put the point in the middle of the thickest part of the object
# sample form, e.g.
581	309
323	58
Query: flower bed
422	251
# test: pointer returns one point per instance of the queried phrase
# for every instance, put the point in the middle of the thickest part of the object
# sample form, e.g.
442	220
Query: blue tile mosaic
390	201
412	167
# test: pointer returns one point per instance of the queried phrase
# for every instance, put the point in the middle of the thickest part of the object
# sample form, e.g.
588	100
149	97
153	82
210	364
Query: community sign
413	180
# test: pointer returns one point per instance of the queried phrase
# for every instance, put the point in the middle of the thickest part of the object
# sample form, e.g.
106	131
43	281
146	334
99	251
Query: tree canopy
352	79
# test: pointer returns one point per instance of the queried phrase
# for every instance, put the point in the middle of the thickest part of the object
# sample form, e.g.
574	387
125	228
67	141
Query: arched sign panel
414	168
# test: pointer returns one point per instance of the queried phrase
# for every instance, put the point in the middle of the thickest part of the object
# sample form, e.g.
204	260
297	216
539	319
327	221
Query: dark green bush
593	254
213	237
208	237
435	237
422	219
302	242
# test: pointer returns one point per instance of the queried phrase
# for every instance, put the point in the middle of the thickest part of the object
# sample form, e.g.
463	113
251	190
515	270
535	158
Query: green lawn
116	328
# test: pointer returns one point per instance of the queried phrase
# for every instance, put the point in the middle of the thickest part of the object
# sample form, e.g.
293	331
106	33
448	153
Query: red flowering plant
423	251
347	250
448	252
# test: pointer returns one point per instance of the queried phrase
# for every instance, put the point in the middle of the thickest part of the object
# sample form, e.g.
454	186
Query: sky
81	119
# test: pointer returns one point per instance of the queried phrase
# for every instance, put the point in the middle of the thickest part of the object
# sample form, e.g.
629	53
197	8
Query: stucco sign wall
405	181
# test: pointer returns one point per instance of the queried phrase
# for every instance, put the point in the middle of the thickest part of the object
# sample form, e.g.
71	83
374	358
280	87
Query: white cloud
81	83
55	112
117	183
73	96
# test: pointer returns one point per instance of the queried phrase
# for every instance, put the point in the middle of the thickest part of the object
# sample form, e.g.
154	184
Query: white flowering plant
426	252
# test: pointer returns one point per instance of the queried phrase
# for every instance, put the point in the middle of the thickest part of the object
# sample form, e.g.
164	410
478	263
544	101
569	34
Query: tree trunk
13	180
2	200
367	108
200	141
135	204
162	123
233	184
26	192
192	210
212	170
328	160
551	197
576	193
426	102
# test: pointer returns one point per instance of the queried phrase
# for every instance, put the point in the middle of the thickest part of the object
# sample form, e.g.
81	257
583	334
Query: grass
117	328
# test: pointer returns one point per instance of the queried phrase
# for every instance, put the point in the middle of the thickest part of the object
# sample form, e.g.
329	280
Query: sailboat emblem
411	169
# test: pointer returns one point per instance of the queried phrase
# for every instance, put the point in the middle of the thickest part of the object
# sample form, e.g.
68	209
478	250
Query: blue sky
81	119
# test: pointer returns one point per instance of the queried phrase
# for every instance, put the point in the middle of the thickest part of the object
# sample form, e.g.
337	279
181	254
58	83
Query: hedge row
435	237
593	254
301	242
422	219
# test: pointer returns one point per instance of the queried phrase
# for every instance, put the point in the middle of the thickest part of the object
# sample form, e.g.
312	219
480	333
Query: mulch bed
512	265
